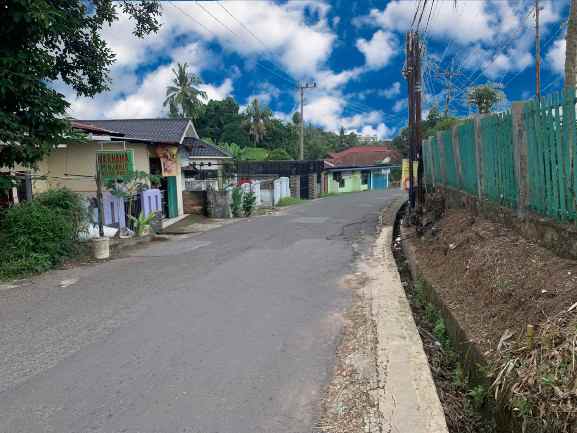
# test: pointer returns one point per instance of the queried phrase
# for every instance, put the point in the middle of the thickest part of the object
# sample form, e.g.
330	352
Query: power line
547	43
291	82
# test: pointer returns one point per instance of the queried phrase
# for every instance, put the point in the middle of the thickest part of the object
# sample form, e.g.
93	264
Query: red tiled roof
364	155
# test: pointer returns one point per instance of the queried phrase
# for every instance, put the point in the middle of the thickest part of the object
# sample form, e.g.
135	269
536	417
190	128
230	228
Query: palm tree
183	97
257	120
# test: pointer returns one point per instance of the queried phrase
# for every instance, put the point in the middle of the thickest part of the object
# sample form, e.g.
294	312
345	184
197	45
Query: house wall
380	180
352	182
80	159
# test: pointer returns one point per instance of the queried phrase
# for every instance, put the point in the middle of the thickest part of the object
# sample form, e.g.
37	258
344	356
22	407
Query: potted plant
142	223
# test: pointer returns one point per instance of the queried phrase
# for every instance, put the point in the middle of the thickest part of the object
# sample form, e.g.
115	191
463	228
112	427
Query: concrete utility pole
537	52
448	75
302	87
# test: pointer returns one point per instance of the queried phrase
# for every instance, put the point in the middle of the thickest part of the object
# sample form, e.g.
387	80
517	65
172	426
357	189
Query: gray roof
157	130
200	149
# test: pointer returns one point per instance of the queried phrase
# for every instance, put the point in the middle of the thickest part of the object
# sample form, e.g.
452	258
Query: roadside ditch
497	315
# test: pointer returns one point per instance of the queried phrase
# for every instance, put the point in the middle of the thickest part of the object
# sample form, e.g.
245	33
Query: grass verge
288	201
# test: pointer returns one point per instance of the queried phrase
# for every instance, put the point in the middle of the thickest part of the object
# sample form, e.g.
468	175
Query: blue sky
353	50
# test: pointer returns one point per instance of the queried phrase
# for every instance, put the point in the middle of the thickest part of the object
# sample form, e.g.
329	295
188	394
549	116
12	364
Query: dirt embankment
492	279
517	302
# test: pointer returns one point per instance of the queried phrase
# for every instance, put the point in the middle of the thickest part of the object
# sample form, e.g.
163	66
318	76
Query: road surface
229	331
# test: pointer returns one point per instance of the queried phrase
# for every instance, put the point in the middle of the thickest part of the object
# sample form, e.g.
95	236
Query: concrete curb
406	393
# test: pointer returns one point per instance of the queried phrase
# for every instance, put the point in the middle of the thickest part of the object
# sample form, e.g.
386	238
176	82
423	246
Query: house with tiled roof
167	148
359	168
365	155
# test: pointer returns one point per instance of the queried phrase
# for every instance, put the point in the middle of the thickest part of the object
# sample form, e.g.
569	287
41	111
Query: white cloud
147	100
379	50
493	36
144	101
391	92
279	29
218	93
556	56
283	30
330	80
400	105
467	22
382	131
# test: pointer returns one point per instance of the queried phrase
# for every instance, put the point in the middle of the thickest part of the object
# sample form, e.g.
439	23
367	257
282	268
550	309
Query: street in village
230	331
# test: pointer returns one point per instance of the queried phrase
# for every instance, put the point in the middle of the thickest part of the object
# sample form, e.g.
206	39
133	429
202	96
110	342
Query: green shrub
32	227
248	203
39	234
13	267
71	203
236	204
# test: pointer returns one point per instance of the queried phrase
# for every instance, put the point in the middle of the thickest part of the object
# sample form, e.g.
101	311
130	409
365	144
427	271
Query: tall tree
571	48
183	96
485	96
46	41
257	120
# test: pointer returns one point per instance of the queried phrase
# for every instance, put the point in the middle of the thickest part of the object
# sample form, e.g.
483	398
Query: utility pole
537	52
413	74
448	74
302	87
99	199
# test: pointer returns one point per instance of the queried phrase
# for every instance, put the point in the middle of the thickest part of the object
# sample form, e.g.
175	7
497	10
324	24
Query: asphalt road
229	331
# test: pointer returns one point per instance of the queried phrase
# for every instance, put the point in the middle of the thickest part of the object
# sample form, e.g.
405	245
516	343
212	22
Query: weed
431	314
235	206
521	407
420	297
248	203
459	376
477	395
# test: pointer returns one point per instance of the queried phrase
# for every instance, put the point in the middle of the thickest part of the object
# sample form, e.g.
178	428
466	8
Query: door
304	186
171	196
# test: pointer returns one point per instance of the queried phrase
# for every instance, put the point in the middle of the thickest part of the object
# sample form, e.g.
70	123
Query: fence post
520	155
479	156
457	155
441	145
431	159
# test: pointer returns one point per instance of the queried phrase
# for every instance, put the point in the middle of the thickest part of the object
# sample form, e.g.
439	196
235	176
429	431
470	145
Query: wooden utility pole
302	87
413	75
448	74
537	52
99	199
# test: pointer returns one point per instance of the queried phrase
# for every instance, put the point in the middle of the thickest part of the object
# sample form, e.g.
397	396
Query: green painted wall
352	183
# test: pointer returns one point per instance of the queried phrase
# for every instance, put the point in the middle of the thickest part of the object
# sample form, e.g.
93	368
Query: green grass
288	201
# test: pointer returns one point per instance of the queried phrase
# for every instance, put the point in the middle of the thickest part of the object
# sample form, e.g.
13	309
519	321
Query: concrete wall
193	202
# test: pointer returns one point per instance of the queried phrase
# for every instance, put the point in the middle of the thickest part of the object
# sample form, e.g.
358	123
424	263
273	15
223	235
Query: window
338	177
365	177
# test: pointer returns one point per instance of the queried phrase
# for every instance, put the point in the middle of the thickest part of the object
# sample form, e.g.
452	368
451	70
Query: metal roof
199	149
156	130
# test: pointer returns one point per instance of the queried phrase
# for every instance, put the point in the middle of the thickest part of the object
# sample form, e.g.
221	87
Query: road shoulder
382	381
